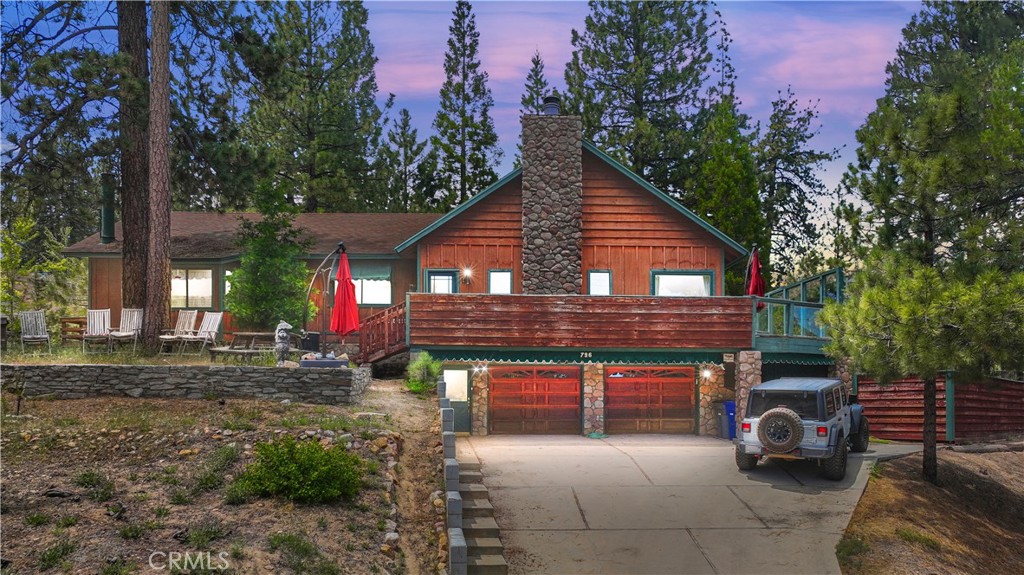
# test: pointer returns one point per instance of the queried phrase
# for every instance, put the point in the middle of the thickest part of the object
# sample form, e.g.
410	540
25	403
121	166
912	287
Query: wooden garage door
535	399
649	399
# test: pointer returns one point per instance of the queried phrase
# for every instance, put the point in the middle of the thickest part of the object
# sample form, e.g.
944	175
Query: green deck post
950	409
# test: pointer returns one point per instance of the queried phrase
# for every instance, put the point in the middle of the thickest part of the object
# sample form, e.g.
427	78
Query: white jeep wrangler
802	418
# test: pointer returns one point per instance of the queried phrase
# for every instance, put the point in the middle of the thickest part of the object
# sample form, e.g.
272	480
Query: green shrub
67	521
132	531
37	519
55	554
305	472
421	375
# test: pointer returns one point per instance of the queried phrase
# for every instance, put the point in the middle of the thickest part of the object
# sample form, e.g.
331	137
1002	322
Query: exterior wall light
467	275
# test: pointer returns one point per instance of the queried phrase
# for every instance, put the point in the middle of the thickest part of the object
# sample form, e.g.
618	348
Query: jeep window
805	404
846	398
830	403
839	398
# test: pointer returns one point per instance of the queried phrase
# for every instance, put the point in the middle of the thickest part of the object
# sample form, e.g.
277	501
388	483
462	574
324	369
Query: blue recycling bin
730	413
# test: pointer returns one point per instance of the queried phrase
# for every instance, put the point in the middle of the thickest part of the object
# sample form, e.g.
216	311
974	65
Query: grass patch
304	472
99	487
876	471
37	519
180	497
67	521
201	534
242	419
912	536
334	423
68	421
119	567
849	547
211	475
133	531
55	554
879	440
301	555
162	512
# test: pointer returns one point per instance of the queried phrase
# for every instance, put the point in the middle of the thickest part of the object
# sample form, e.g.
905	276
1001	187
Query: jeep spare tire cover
780	430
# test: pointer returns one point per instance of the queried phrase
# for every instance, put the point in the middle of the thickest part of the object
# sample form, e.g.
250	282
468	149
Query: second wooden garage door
649	399
535	399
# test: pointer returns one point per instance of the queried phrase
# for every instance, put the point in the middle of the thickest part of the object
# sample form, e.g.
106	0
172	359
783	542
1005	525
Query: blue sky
832	53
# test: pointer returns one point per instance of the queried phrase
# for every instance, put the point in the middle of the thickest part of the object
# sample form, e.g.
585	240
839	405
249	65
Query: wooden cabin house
571	296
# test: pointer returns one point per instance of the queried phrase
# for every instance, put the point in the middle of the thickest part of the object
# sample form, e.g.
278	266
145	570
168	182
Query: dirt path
418	471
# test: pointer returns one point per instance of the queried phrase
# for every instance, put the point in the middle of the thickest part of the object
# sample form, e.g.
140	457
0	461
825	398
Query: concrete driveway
662	504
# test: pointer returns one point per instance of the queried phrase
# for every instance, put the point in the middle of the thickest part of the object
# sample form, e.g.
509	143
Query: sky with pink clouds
832	53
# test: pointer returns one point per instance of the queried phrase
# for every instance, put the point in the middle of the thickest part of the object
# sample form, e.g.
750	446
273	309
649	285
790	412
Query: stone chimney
552	202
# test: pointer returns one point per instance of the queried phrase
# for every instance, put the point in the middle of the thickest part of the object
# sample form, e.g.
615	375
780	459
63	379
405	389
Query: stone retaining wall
308	385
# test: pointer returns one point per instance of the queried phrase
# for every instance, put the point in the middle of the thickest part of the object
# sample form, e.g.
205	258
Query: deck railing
787	318
382	334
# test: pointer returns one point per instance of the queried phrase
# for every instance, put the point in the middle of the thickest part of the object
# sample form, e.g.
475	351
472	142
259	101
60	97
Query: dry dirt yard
100	485
972	523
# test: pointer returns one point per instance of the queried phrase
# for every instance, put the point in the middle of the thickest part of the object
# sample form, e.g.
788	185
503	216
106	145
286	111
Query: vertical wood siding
629	231
487	236
105	285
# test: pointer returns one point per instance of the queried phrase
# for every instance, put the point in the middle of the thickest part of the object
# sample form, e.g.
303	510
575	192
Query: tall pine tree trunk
158	266
931	466
134	140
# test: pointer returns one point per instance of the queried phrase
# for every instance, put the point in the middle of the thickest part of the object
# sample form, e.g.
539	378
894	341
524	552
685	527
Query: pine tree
787	169
466	140
403	153
536	87
636	76
941	172
314	109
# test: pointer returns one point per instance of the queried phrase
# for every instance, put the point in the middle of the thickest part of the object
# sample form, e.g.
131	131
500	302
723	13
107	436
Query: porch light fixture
467	275
706	370
480	368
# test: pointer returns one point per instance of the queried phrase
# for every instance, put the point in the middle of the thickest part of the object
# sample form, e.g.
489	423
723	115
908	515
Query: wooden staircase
382	335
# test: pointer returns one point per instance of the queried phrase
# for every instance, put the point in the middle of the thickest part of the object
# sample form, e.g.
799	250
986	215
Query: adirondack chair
206	334
33	329
97	329
186	324
129	328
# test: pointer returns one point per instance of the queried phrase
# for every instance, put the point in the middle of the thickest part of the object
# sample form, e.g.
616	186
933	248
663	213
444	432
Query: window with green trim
599	282
442	281
192	288
499	281
681	283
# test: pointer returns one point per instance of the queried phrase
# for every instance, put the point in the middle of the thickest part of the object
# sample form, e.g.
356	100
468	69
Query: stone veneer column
748	374
841	370
552	205
593	398
712	390
478	408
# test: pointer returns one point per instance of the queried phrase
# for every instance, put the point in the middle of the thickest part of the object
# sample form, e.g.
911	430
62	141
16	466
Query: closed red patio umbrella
345	317
756	284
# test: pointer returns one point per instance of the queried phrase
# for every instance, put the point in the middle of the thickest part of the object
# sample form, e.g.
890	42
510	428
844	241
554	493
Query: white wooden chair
129	328
97	329
33	329
185	325
207	333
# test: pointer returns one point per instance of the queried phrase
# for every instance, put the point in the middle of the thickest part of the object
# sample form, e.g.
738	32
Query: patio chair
128	329
97	329
207	333
186	324
33	329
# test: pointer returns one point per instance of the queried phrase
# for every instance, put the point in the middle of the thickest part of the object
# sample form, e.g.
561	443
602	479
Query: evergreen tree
536	87
941	172
314	110
636	76
403	155
466	140
725	194
787	169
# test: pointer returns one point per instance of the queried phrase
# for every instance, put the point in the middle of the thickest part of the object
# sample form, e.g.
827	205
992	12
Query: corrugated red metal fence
896	411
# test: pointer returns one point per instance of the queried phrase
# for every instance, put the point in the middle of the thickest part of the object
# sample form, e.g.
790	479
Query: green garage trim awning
575	356
797	358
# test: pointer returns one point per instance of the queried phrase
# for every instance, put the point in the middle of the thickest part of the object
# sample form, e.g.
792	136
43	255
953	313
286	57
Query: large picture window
191	288
682	283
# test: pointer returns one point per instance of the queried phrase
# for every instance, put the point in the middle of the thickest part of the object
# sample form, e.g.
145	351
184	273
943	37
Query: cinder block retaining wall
308	385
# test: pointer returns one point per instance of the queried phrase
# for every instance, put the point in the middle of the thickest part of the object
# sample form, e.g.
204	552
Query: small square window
673	284
499	281
599	282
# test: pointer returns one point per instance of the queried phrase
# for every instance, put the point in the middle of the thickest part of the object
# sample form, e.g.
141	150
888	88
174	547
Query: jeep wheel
859	441
780	430
835	466
745	461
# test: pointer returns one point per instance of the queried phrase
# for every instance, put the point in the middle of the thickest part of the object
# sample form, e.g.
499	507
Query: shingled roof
207	235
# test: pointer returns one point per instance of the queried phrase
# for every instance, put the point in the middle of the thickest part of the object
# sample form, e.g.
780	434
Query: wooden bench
250	344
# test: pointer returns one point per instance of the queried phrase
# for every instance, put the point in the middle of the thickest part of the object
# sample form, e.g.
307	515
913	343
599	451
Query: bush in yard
421	375
302	471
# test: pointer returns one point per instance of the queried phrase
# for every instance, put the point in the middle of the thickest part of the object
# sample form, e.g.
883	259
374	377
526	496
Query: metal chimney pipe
107	186
552	106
